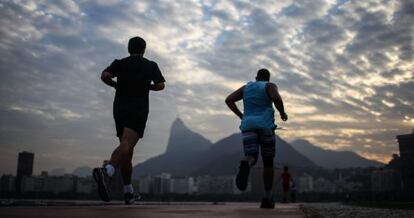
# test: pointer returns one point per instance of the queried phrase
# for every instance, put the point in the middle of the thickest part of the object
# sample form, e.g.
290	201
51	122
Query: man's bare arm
106	77
232	99
157	87
277	100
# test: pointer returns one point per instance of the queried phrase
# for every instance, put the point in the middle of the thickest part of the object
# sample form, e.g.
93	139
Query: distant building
24	167
31	184
50	184
145	184
382	180
216	185
395	166
406	144
323	185
59	184
44	174
7	183
162	184
305	183
342	185
25	164
182	185
85	185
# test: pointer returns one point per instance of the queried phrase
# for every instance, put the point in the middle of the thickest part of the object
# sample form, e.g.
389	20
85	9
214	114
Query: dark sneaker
243	175
267	203
103	181
130	198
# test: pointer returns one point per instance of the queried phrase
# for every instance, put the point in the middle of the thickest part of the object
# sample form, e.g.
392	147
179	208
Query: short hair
136	45
286	168
263	74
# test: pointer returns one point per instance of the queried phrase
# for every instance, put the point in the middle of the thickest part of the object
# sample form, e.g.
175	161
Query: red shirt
285	179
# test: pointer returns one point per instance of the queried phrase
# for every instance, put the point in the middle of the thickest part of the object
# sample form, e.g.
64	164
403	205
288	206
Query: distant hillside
332	159
183	148
223	158
189	153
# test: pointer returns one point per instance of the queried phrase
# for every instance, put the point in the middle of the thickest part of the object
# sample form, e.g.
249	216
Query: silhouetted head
285	168
263	75
136	45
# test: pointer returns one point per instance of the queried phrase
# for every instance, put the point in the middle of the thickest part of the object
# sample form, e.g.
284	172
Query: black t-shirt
134	77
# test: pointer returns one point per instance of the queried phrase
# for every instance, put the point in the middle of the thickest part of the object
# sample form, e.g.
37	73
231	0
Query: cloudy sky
344	69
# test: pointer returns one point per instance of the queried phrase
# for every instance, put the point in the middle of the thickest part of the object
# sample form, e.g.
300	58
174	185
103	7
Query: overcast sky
344	70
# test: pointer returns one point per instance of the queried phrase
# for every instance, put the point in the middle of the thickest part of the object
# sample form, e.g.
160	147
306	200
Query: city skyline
331	181
344	69
394	177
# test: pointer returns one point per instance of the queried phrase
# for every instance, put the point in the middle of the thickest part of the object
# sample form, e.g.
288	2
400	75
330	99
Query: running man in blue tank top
258	126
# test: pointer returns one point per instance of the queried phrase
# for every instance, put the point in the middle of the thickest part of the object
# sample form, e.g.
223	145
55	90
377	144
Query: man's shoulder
120	60
271	85
151	62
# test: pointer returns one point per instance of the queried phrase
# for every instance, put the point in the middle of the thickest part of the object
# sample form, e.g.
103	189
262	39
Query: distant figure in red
286	179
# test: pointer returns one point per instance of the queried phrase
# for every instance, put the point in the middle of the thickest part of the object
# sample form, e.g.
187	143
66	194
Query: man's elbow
105	76
158	87
228	100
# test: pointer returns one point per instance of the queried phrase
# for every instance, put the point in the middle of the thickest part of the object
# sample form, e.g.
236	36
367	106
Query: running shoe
131	198
267	203
103	181
243	175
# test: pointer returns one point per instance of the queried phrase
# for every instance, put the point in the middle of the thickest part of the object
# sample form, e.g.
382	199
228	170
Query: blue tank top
258	109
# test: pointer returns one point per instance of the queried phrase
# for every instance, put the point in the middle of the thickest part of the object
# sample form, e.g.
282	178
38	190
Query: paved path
228	210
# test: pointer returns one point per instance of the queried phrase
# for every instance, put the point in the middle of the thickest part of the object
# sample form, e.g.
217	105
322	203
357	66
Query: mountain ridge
331	159
176	157
189	153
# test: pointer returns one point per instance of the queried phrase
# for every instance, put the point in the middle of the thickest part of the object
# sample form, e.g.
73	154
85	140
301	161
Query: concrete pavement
228	210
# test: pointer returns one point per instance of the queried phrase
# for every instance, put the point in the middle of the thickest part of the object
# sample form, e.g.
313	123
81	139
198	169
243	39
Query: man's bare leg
122	158
122	155
126	168
268	180
126	171
244	170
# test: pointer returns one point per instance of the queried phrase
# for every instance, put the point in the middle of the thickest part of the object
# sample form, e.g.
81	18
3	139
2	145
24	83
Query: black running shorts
131	115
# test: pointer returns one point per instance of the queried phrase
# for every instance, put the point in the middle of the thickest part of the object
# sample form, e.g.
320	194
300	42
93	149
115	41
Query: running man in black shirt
136	76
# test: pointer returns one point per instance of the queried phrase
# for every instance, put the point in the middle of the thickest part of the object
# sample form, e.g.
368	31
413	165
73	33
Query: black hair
136	45
263	75
286	168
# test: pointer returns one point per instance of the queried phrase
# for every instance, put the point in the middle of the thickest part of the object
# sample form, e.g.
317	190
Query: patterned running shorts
263	138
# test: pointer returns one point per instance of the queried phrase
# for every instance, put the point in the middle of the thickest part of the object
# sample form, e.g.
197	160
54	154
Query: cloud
344	69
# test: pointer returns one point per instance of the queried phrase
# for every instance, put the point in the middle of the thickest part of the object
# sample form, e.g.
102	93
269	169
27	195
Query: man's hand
157	87
284	116
106	77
